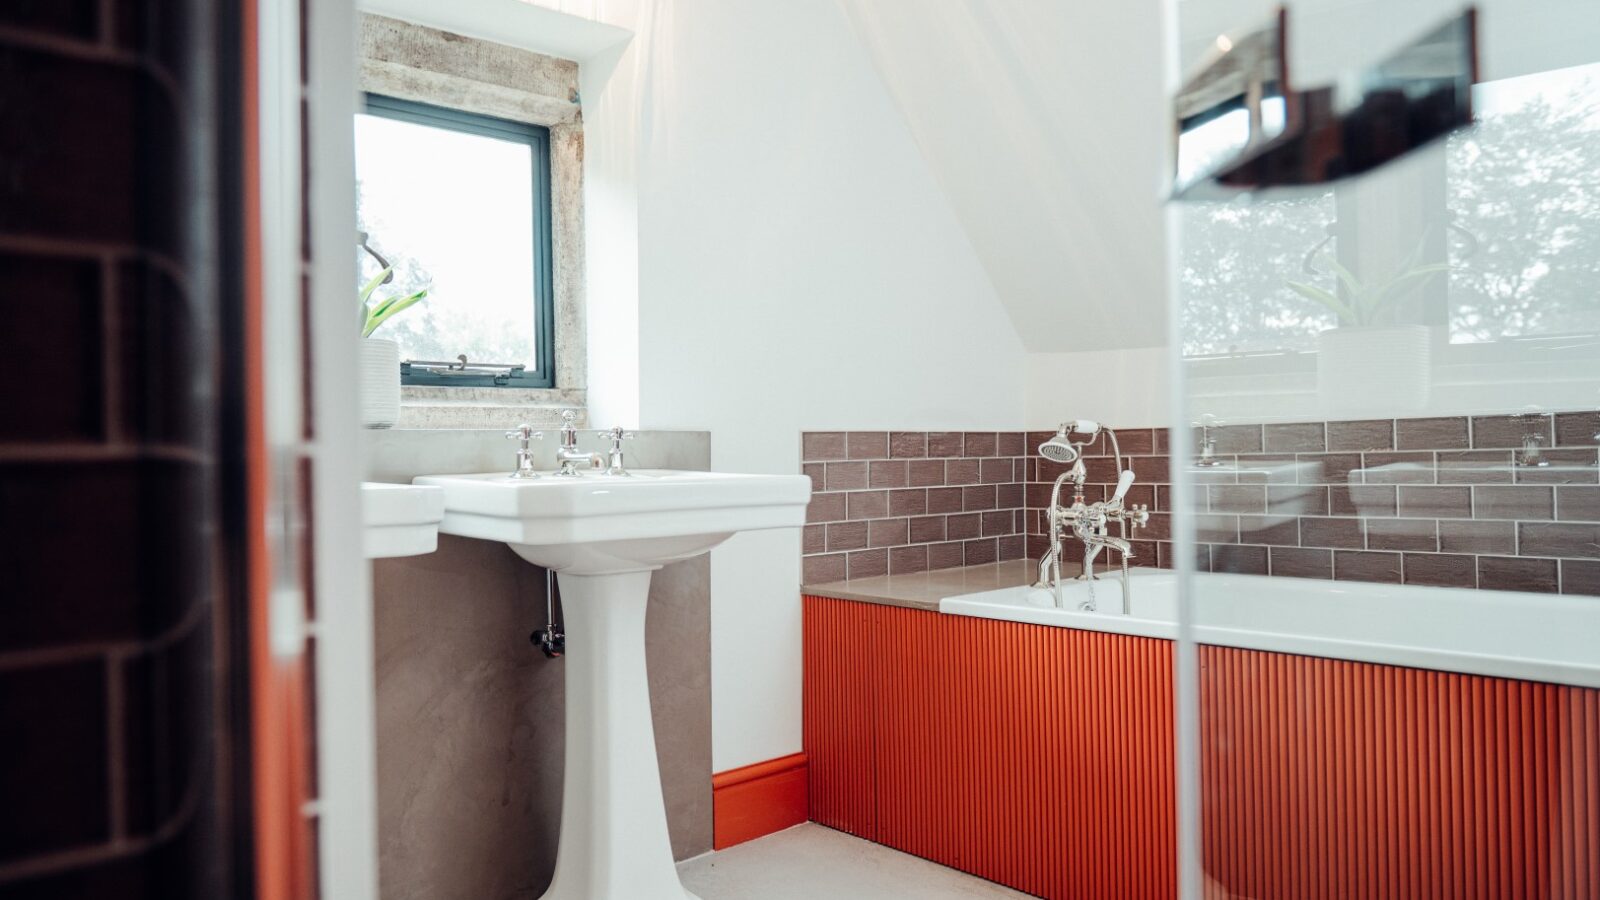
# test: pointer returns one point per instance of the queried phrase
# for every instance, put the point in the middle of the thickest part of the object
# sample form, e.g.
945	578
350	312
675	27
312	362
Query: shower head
1059	449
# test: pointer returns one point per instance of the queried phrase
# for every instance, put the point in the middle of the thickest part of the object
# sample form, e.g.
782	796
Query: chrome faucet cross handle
570	460
524	435
614	461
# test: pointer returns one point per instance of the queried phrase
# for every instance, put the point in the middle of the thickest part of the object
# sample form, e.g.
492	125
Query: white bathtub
1536	637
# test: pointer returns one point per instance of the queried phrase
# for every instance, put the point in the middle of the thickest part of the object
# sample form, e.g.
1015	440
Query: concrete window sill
487	407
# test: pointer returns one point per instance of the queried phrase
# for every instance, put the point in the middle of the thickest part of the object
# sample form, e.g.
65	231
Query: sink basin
597	524
400	519
604	535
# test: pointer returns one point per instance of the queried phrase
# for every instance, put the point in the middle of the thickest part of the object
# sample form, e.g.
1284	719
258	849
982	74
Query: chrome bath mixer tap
1089	522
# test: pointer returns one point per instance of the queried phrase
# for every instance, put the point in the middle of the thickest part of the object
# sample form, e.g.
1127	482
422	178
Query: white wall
1122	388
798	268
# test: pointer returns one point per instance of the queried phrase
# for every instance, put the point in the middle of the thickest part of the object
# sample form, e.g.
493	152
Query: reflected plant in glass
1374	302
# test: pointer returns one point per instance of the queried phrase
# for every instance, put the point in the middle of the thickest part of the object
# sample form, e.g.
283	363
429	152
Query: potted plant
380	358
1370	354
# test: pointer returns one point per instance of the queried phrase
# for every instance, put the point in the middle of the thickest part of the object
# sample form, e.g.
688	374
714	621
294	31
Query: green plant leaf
1352	284
391	307
1403	284
1347	316
369	287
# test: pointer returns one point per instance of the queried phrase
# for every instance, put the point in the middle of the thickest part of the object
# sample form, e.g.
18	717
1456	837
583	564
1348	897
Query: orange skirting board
1042	758
757	800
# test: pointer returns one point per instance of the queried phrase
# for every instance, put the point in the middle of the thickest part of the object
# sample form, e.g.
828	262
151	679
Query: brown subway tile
909	502
1578	429
822	445
1296	437
1009	443
961	471
1319	532
998	522
944	500
55	779
1214	529
925	472
1502	573
1037	545
1159	529
867	563
927	529
1569	539
1441	570
825	508
1428	501
847	536
964	526
59	300
908	444
867	504
815	472
1327	468
1007	496
978	497
1292	562
1450	433
1297	500
846	476
822	569
982	551
1238	498
1580	576
888	532
1238	559
1514	502
946	556
1475	467
1370	434
1136	441
1402	534
1578	503
814	539
1506	431
1365	565
1362	500
1235	439
1021	469
944	443
867	444
995	471
979	443
1012	546
908	560
887	474
1567	466
1397	468
1280	530
1477	537
1163	440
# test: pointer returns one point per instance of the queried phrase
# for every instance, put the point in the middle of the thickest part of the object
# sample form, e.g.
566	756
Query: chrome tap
614	463
1089	522
524	435
568	454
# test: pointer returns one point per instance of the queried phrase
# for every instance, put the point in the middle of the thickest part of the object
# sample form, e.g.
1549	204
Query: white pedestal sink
603	536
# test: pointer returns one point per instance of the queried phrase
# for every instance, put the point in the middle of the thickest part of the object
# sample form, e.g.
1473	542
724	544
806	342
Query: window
459	204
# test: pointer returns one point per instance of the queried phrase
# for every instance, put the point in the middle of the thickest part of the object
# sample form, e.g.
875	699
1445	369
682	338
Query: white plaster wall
798	268
1122	388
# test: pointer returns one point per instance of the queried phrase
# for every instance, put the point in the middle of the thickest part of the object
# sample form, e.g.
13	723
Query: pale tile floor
809	861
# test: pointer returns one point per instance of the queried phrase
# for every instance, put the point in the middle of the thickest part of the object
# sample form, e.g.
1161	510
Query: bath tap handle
524	435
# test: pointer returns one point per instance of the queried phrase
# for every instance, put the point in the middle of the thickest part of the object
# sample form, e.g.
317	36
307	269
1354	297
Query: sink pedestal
614	842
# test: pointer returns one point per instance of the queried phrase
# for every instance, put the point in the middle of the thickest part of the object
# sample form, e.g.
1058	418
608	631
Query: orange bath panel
1039	758
1042	758
757	800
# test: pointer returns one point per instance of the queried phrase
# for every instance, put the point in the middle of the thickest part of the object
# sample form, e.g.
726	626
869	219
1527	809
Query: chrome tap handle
614	459
524	435
1139	516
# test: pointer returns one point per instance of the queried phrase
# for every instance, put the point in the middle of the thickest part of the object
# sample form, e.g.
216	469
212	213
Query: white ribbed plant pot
380	383
1374	368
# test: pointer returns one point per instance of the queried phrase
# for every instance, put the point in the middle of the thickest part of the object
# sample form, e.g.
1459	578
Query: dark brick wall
112	782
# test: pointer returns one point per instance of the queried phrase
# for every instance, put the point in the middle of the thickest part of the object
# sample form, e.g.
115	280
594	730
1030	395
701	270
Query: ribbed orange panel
838	715
1037	757
1333	779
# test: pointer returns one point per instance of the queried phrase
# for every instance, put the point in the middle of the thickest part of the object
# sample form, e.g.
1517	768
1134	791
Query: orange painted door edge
757	800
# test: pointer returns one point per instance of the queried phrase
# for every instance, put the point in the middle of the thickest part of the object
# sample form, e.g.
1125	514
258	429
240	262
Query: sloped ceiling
1043	122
